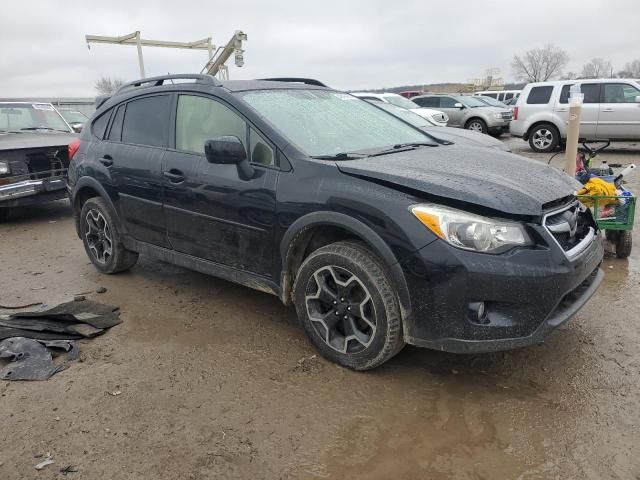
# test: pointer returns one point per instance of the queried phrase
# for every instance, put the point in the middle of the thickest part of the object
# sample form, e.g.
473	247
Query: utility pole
204	44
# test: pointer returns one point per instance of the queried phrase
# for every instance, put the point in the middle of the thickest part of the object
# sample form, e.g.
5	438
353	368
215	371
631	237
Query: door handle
106	160
174	176
561	109
607	110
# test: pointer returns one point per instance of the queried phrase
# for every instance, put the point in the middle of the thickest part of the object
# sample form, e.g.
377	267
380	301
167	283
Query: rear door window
564	94
146	121
430	102
591	92
540	95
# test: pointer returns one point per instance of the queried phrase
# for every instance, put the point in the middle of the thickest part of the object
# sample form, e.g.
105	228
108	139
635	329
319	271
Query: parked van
610	111
502	95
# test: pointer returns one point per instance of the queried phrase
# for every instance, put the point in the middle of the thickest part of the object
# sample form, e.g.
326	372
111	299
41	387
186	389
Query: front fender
359	229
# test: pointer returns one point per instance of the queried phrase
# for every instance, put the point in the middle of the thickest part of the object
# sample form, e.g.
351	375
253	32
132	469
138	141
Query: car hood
18	141
485	177
466	137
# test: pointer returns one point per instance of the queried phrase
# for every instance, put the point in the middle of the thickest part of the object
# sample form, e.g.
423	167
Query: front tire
102	239
348	307
544	138
477	125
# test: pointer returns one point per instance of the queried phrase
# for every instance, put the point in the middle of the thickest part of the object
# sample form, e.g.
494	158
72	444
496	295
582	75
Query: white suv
610	111
436	117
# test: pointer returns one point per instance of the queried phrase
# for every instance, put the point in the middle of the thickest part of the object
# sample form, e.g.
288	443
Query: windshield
73	117
18	117
401	102
409	117
471	102
324	123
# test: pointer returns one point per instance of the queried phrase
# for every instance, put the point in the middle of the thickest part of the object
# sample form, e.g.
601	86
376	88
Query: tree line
549	62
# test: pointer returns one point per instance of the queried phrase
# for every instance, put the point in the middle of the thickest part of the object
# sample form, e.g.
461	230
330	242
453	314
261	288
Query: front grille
507	115
569	226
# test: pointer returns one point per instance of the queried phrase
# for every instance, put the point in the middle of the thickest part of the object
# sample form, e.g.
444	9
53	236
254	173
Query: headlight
438	118
4	167
497	116
469	231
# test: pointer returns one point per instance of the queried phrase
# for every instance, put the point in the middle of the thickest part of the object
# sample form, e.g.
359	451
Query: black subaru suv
378	233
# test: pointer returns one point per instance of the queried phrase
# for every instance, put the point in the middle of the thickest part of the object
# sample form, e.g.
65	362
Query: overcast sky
347	44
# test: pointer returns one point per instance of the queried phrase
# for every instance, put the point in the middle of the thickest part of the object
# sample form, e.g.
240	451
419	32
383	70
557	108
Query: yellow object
598	187
429	220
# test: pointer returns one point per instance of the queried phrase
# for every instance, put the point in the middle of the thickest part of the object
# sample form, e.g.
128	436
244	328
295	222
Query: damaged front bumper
32	191
525	295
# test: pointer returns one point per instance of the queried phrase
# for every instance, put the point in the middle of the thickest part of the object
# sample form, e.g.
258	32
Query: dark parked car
34	141
378	235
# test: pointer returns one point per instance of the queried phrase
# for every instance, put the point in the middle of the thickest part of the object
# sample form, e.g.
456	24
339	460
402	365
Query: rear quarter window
540	95
99	125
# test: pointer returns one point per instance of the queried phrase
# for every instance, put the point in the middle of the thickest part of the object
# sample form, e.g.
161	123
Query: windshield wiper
50	129
403	147
340	156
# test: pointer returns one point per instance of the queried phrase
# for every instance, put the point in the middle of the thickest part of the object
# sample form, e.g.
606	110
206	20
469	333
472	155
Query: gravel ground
217	381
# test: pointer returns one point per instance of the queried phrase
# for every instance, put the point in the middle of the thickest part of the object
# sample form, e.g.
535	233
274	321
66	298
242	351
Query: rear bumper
28	192
527	293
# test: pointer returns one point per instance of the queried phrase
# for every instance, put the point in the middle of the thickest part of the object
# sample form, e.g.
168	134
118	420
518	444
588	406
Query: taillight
73	147
515	113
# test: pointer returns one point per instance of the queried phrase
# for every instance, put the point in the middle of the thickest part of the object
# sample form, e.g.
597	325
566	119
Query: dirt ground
217	381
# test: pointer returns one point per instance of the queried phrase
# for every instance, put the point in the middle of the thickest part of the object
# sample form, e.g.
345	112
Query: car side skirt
251	280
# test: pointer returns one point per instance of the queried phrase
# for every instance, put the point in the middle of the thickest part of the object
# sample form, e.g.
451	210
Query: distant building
85	105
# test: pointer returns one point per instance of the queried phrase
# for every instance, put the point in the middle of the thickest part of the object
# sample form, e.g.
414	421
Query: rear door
132	153
210	212
590	108
619	111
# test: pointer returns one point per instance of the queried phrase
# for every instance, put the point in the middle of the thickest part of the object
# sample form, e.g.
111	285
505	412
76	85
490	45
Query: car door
210	212
619	111
456	114
132	154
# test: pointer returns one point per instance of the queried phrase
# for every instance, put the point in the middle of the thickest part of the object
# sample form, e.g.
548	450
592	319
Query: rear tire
477	125
624	244
102	238
348	306
544	138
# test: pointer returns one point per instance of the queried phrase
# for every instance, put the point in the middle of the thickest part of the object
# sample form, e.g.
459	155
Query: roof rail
308	81
160	80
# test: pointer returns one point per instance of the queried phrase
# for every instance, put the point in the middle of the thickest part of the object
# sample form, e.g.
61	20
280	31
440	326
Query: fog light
478	313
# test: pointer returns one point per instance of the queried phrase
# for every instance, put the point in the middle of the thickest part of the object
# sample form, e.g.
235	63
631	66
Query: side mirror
228	150
77	127
458	105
